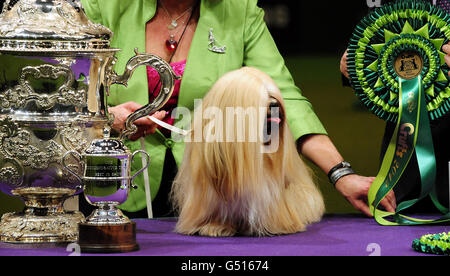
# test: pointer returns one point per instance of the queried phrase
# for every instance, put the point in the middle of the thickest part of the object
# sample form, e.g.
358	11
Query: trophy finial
106	132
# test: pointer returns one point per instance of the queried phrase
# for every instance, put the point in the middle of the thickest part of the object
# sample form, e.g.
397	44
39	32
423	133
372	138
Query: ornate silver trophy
56	68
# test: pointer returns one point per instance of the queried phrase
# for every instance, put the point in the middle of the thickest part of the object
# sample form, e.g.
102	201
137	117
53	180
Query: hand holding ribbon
397	65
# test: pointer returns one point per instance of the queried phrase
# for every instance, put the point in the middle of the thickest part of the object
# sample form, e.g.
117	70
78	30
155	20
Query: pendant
173	25
171	44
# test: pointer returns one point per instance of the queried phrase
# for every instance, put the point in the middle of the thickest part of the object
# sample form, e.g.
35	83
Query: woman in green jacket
203	40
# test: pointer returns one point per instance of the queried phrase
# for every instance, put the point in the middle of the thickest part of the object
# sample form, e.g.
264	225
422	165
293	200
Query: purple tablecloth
334	236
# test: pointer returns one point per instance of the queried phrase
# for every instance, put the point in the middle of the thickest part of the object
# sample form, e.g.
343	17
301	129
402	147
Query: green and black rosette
398	71
437	244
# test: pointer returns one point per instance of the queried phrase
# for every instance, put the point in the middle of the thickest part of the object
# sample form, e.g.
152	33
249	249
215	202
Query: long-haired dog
229	185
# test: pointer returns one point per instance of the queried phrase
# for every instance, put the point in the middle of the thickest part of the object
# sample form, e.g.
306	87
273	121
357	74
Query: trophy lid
51	25
106	146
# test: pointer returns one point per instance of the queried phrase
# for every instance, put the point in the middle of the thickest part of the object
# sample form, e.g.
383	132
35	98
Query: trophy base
25	228
112	238
43	220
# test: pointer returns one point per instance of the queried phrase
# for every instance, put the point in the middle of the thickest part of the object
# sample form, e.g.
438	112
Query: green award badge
398	71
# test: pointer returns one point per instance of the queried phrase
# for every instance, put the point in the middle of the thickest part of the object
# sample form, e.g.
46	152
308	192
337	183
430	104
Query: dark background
312	35
302	26
318	27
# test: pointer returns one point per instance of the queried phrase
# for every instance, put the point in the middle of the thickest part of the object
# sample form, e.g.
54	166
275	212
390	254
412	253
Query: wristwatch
340	170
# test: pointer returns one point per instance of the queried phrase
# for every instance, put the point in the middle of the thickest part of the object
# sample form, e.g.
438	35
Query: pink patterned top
154	86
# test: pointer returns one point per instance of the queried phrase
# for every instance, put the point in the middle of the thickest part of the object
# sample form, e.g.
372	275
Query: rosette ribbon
438	244
398	71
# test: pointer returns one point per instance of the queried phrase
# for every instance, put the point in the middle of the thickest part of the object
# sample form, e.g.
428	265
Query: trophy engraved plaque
56	69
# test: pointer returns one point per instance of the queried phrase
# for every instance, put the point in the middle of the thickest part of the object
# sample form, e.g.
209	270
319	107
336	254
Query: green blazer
237	24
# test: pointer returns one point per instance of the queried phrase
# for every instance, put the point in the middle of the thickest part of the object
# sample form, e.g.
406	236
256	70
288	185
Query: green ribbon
412	134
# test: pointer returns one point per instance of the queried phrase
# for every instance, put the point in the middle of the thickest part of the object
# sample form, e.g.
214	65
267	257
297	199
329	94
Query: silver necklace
174	24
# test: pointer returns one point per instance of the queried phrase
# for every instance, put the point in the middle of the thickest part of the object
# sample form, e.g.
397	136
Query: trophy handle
147	163
167	76
69	169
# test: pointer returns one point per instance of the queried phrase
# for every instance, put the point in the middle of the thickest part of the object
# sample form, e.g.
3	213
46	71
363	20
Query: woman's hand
446	49
320	150
355	189
343	66
145	125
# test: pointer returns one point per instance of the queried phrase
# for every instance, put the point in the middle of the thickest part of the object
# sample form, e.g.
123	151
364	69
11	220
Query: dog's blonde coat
228	188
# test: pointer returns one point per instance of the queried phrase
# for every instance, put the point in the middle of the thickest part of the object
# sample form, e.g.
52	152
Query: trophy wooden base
107	238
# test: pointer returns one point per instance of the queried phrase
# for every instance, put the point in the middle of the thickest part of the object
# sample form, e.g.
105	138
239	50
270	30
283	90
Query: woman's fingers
121	113
147	126
446	49
343	65
389	202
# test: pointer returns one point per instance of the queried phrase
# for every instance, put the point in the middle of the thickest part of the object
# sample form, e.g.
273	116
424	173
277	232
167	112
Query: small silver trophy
107	180
107	177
